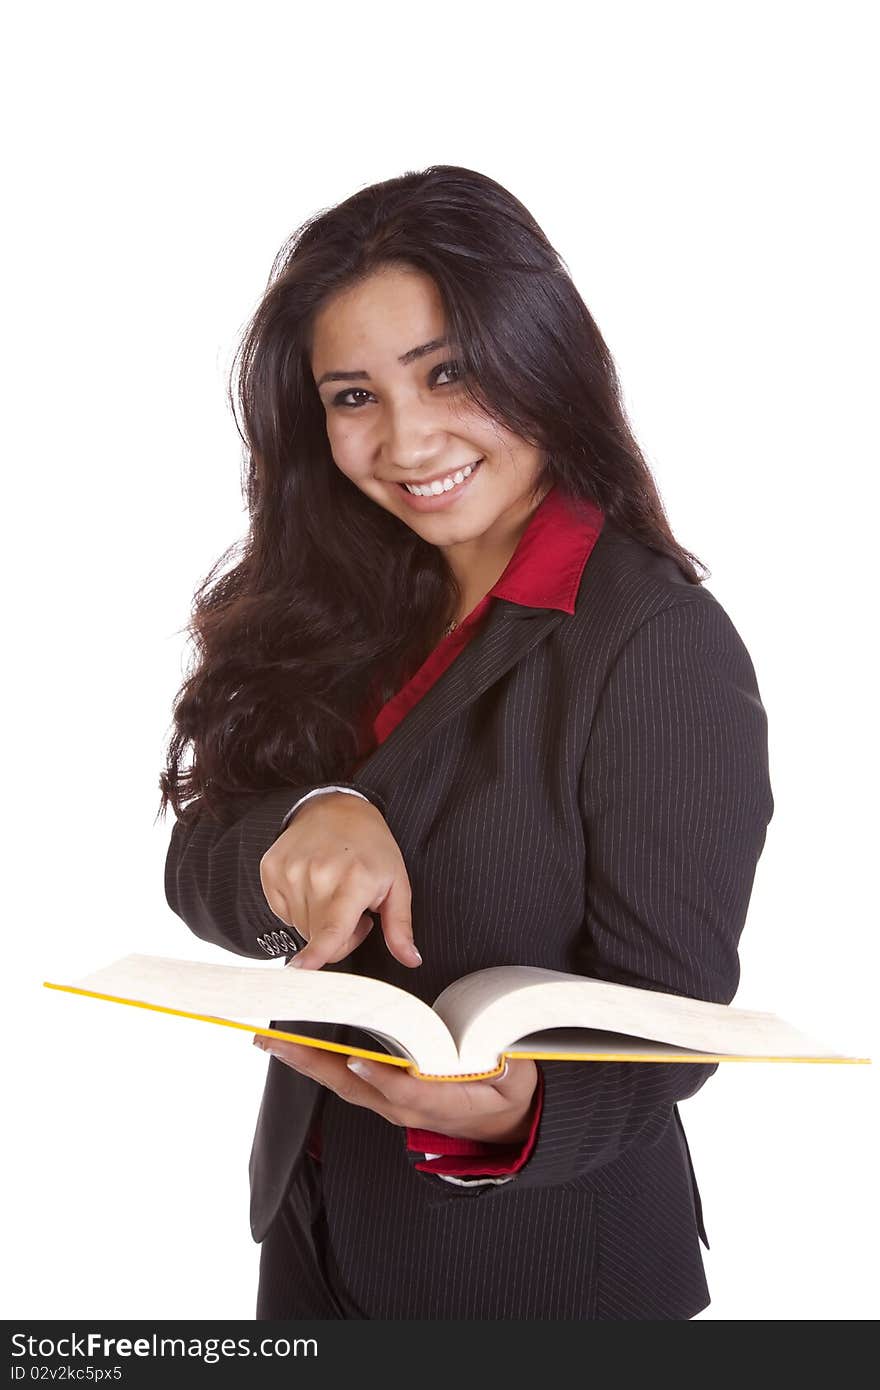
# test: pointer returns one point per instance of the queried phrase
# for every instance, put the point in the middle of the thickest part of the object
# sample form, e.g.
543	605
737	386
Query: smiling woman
347	579
463	686
418	446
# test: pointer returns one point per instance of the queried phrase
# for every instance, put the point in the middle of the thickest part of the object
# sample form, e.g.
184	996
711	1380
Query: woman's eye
454	366
341	398
355	391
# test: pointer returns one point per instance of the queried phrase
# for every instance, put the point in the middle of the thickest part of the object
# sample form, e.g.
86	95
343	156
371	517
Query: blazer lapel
511	630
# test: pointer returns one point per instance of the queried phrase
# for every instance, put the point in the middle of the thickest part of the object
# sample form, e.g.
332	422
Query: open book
472	1027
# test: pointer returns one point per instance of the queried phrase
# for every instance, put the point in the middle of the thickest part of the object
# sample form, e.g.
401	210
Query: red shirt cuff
472	1157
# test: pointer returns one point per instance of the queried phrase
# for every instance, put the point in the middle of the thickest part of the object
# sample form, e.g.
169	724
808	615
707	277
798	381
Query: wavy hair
331	601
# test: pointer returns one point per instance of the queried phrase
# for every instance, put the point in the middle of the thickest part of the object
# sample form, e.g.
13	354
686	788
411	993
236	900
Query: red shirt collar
545	569
543	572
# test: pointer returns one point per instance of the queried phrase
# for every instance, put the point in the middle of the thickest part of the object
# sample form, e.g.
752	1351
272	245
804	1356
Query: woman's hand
494	1112
336	859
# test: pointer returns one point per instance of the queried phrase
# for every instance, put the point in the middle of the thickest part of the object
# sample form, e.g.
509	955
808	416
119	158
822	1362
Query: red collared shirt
544	572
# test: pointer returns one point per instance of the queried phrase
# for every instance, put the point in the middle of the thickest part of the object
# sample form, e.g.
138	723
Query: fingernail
259	1041
415	954
292	964
356	1065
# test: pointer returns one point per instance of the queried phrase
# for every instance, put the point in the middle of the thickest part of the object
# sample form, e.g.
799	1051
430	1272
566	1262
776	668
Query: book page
256	993
490	1010
596	1045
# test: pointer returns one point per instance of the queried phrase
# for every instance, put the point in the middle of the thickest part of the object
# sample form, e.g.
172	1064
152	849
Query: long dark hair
329	589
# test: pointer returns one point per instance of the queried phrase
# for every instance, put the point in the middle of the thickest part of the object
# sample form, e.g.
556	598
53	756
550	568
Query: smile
443	491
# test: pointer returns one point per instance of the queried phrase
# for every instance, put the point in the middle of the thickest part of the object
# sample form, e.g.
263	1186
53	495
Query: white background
704	171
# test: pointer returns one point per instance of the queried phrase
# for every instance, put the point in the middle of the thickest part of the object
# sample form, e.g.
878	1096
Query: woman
463	693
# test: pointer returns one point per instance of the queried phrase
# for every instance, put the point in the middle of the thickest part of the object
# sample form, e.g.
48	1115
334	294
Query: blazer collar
537	590
509	632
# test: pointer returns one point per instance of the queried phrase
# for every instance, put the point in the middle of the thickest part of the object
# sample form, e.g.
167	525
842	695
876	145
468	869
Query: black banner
134	1353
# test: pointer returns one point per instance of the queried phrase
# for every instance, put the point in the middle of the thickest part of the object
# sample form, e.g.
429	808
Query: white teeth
441	484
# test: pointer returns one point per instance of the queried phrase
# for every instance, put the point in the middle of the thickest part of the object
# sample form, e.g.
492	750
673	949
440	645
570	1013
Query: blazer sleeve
212	873
675	800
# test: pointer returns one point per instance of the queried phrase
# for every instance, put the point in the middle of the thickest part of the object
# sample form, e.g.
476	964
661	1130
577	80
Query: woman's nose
412	437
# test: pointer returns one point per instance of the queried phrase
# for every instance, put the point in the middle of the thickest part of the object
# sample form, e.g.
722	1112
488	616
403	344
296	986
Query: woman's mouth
444	496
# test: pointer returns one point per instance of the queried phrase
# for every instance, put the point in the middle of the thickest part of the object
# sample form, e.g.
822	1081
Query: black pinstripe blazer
585	792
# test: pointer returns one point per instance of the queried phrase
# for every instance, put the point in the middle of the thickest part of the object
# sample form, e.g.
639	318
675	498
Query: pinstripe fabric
586	792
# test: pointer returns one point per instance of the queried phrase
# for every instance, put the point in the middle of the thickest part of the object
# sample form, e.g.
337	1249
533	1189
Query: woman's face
397	414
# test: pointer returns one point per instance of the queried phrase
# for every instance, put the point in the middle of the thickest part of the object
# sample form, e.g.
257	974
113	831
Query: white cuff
472	1182
467	1182
318	791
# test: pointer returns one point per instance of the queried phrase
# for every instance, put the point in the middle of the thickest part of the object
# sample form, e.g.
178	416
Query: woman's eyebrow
411	356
